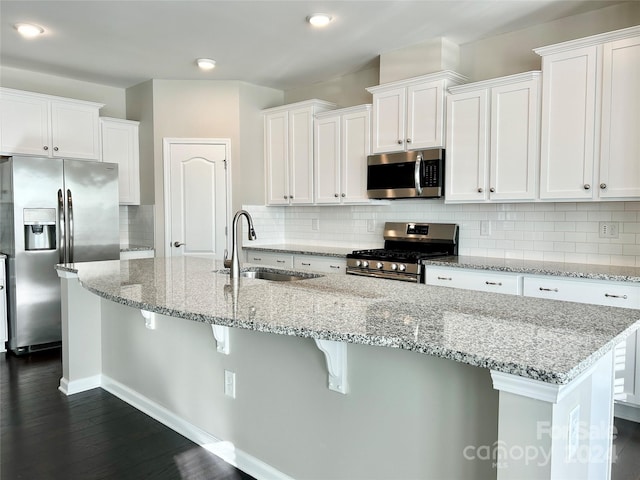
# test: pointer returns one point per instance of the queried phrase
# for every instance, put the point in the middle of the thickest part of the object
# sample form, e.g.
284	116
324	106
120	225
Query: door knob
177	244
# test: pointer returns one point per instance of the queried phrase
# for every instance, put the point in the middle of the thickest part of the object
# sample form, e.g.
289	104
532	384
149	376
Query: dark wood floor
94	435
90	435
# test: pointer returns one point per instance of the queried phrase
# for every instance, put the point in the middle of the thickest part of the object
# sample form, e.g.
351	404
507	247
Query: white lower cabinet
136	254
283	260
612	294
481	280
301	262
313	263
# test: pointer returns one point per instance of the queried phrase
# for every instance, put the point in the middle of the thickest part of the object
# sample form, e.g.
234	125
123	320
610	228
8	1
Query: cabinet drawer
474	280
320	264
270	259
609	294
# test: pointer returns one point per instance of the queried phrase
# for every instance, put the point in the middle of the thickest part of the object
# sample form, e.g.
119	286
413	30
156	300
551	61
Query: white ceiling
268	42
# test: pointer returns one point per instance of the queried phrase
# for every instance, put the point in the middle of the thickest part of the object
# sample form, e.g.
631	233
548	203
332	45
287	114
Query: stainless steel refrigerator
51	211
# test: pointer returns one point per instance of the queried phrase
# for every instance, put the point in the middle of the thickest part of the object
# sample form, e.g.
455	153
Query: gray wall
205	109
112	97
407	415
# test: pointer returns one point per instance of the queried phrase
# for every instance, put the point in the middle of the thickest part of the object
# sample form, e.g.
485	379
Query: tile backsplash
562	232
136	225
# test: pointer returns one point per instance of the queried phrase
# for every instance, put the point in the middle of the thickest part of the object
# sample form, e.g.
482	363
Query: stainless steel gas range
405	246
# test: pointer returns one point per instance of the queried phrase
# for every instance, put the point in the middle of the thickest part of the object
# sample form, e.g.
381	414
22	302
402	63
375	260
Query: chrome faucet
234	262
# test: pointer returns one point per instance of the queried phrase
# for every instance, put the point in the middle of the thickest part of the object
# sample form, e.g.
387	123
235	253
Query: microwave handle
417	174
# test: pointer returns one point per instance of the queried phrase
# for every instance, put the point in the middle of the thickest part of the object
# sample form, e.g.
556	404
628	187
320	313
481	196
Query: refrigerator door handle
70	217
62	244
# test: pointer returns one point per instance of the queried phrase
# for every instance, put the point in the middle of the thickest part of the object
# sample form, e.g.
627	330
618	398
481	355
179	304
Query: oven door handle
416	174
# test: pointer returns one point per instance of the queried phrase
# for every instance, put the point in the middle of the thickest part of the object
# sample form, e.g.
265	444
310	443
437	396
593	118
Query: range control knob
365	264
402	267
358	263
379	265
394	266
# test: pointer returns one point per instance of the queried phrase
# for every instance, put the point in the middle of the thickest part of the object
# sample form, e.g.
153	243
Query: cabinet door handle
480	190
306	264
492	189
45	148
55	149
334	266
335	195
344	195
285	197
543	289
279	261
408	140
587	186
257	259
399	142
1	287
611	295
499	284
178	244
444	278
603	186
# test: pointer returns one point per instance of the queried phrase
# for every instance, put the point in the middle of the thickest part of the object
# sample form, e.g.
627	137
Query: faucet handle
227	260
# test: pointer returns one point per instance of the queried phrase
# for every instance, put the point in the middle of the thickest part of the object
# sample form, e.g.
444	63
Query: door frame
167	142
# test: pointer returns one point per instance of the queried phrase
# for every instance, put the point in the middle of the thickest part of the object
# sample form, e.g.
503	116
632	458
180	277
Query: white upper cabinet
620	141
492	140
36	124
409	114
342	143
288	151
120	144
591	118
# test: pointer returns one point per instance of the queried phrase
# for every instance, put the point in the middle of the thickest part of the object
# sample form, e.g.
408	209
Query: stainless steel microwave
417	174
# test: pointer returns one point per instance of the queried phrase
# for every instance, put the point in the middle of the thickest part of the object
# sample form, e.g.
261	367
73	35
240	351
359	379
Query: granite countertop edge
546	375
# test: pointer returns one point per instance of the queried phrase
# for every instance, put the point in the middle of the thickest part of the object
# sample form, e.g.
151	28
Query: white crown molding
589	41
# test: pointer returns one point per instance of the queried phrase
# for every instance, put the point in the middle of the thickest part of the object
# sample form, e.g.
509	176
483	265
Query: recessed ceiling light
206	63
319	19
28	30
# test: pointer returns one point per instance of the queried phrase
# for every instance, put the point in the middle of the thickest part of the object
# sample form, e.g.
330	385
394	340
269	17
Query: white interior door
196	197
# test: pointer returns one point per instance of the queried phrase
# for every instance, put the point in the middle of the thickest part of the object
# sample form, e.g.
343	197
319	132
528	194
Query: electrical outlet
609	229
485	228
230	384
315	224
573	439
371	225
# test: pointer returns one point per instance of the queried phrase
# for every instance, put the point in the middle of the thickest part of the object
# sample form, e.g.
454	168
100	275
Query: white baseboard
223	449
82	385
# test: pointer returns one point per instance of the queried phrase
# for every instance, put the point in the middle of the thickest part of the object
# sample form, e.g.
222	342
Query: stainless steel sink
277	276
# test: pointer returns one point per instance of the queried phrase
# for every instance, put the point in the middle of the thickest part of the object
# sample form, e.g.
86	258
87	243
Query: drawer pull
279	261
257	259
499	284
444	278
543	289
610	295
334	266
306	264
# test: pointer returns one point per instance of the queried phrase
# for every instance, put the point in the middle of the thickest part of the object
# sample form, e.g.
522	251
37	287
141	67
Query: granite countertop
536	338
559	269
134	248
301	249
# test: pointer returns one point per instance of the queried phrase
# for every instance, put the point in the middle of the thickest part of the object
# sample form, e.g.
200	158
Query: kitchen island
402	383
